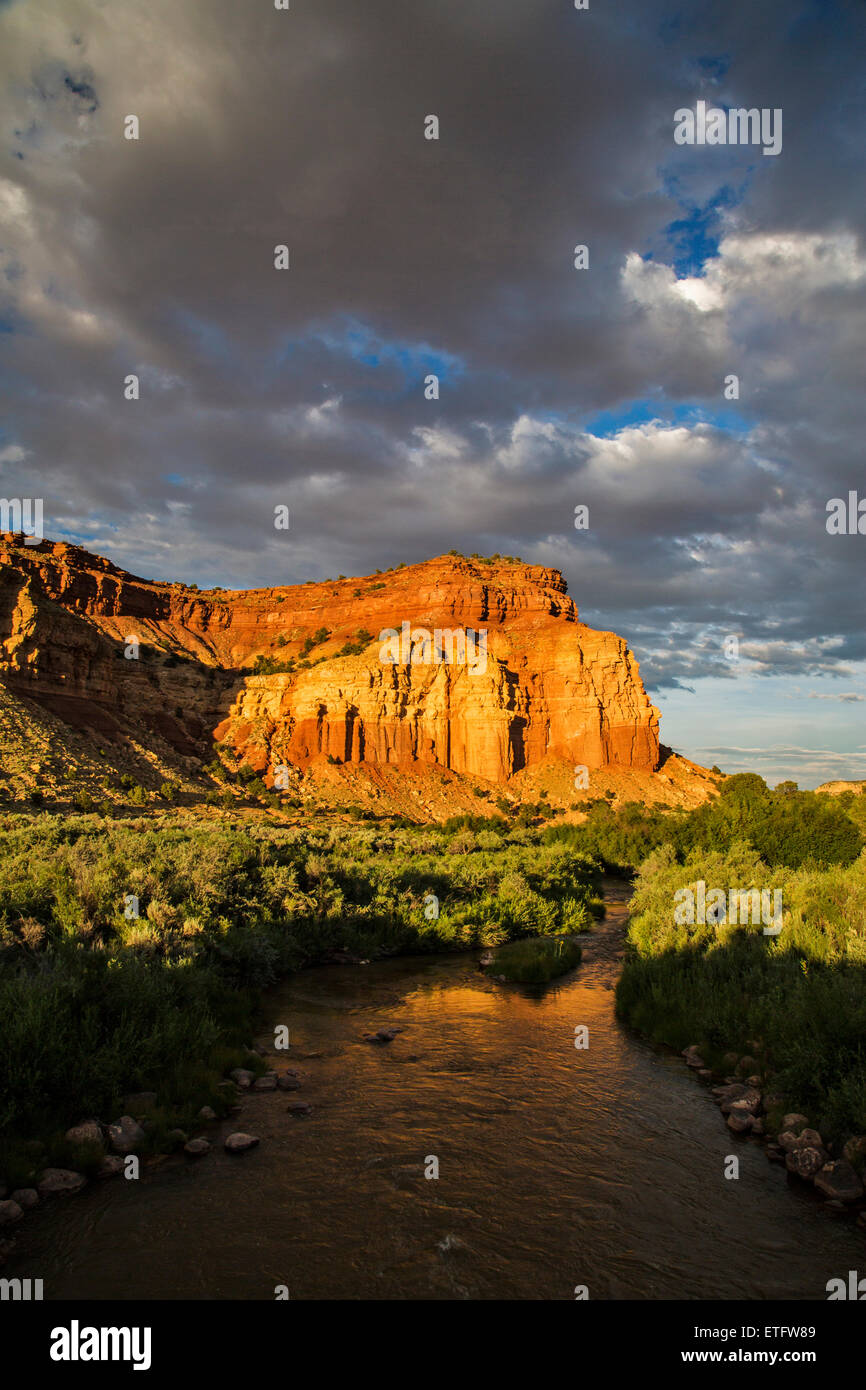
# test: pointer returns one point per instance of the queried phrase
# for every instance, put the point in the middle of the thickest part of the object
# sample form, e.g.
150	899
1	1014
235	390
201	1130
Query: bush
535	961
802	993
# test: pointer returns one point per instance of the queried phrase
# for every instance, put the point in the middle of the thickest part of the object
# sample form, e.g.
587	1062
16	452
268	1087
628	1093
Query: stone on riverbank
88	1132
240	1143
60	1182
265	1083
242	1078
744	1097
838	1180
794	1123
10	1212
110	1166
196	1148
125	1135
808	1138
26	1197
740	1121
806	1162
693	1057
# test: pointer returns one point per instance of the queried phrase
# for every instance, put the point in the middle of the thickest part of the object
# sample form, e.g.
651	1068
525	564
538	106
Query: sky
559	387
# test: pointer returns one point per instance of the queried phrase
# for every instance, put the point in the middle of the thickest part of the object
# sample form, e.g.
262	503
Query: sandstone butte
551	687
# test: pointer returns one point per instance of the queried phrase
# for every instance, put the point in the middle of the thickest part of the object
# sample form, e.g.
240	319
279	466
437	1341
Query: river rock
26	1197
746	1065
60	1182
838	1180
809	1138
240	1143
177	1136
693	1057
265	1083
758	1126
110	1166
754	1080
855	1149
299	1107
740	1121
805	1162
125	1135
242	1078
794	1122
748	1104
288	1082
206	1114
10	1212
196	1147
750	1100
383	1035
745	1097
88	1132
730	1060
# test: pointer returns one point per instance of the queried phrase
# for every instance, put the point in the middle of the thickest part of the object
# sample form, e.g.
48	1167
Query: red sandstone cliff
543	685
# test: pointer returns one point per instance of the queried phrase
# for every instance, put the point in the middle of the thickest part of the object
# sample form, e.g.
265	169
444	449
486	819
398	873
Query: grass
535	960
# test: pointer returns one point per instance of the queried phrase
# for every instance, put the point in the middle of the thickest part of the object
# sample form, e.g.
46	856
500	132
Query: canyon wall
542	684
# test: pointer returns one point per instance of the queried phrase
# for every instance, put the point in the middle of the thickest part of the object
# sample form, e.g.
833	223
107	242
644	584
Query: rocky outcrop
490	672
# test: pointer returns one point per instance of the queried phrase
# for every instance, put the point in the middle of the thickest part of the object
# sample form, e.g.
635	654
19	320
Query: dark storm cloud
455	257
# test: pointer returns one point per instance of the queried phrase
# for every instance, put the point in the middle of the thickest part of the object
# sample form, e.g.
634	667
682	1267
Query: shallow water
557	1167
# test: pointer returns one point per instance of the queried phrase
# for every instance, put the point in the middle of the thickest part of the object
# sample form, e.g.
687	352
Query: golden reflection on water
557	1167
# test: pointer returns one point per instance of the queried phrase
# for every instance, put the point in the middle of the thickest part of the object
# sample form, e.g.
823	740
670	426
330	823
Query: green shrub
536	960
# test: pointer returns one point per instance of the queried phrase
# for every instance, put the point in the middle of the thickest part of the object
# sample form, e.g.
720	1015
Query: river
558	1168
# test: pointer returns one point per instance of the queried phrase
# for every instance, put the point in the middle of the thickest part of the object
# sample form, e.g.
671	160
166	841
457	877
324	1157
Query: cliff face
533	682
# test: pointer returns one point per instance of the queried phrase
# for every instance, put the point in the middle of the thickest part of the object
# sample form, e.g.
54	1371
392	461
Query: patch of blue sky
362	344
608	423
694	238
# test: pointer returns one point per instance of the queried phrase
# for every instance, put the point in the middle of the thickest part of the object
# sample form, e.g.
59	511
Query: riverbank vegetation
785	826
132	951
131	954
535	960
795	1000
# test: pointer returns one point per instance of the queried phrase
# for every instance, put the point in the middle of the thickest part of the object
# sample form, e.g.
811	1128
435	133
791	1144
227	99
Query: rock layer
542	684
